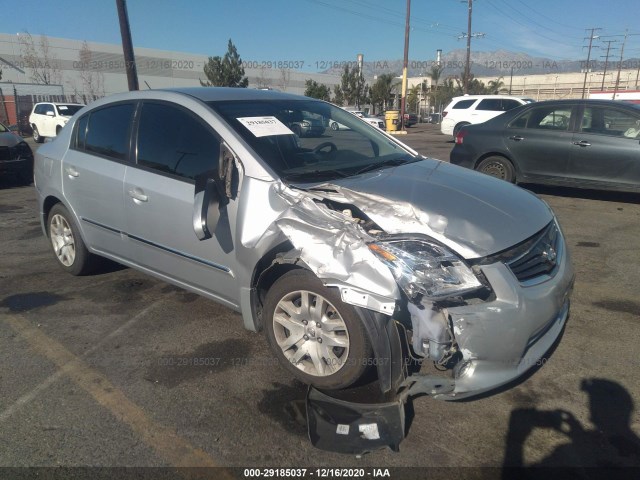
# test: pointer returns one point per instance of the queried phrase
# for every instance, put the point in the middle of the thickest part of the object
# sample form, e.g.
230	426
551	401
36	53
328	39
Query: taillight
460	137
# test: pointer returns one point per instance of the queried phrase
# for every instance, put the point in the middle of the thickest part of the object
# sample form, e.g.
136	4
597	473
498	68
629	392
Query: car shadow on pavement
611	446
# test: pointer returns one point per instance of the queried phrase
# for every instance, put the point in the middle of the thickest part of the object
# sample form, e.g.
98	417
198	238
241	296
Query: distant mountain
483	64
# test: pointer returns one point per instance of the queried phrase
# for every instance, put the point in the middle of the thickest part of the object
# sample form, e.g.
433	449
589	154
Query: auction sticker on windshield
265	126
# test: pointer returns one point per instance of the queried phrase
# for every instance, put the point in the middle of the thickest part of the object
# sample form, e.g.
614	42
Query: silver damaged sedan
346	247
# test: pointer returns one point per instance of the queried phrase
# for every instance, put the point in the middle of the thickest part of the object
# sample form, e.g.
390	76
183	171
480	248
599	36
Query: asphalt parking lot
104	370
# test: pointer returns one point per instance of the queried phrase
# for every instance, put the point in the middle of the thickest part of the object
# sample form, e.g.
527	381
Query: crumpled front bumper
502	339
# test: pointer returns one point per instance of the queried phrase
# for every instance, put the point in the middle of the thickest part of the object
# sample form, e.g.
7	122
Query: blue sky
316	31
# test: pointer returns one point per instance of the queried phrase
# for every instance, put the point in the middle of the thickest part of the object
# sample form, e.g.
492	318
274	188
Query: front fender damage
330	236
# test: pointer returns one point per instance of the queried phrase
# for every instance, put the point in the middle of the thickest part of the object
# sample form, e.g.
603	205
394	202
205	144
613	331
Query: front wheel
318	338
68	247
36	135
498	167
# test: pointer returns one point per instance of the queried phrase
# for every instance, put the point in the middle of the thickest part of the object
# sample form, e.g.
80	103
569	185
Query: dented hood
473	213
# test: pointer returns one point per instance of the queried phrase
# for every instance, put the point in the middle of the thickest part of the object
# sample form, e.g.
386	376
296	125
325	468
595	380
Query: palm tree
494	86
436	72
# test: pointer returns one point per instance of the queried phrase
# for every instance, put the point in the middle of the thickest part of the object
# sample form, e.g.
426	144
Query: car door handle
516	138
72	172
582	143
137	194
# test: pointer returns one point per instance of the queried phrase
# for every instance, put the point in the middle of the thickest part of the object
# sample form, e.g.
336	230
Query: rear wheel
68	247
498	167
318	338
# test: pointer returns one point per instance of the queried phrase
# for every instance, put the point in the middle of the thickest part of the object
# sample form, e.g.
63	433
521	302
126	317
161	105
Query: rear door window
108	131
545	118
508	104
491	104
463	104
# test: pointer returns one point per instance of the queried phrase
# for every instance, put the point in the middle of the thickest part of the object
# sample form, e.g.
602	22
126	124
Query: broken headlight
425	268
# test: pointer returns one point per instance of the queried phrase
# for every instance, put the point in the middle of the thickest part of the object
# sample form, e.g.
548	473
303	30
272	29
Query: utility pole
467	66
127	46
591	37
606	61
510	80
468	36
403	101
624	42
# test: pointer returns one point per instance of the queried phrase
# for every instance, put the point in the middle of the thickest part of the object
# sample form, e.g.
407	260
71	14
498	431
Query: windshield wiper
392	162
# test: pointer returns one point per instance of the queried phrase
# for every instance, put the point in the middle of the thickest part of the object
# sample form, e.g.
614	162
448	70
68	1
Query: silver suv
342	248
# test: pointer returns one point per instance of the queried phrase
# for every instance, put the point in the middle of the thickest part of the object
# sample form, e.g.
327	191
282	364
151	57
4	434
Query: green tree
412	99
435	74
382	91
494	86
225	72
314	89
353	90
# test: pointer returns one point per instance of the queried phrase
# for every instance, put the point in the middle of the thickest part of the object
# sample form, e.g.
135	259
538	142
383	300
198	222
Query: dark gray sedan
577	143
16	158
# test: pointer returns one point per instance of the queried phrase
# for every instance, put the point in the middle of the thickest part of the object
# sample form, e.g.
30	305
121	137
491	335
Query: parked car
578	143
327	244
410	119
471	109
304	124
48	118
375	121
16	157
434	118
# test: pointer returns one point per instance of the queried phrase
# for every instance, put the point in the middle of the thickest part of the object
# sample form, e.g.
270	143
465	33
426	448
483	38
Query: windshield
68	110
310	140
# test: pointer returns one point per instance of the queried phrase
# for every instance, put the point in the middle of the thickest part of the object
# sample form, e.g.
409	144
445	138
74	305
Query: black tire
342	366
334	126
36	135
82	261
457	128
498	167
58	129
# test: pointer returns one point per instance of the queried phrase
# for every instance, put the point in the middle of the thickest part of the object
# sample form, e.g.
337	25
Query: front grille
541	256
21	150
5	153
533	258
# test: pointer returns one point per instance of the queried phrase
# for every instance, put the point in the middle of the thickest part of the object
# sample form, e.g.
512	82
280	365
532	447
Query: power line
502	12
606	60
547	17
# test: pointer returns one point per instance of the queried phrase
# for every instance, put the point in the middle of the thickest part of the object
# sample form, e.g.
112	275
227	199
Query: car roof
587	101
61	103
211	94
473	97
